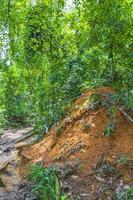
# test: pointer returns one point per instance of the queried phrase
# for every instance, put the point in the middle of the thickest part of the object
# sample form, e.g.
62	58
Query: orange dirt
70	142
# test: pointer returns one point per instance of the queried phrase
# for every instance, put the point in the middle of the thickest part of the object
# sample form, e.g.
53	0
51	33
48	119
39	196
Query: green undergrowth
126	194
46	183
3	120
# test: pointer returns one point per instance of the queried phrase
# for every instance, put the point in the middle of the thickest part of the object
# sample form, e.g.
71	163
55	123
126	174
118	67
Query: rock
10	177
75	177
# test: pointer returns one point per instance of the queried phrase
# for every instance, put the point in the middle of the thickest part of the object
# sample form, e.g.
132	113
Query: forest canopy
53	50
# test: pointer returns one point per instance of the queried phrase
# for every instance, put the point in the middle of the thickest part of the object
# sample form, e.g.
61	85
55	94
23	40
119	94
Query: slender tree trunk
111	63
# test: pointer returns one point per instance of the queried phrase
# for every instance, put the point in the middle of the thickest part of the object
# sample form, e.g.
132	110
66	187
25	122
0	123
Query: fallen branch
125	114
25	144
31	133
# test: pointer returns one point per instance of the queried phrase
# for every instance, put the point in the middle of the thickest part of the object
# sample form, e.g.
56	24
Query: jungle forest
66	99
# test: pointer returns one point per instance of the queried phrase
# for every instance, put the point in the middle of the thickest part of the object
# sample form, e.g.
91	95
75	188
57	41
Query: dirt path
12	185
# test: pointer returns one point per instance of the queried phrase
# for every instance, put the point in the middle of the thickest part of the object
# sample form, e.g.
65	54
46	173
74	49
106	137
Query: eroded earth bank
92	148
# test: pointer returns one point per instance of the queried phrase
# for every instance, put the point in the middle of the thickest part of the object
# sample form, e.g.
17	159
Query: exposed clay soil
87	159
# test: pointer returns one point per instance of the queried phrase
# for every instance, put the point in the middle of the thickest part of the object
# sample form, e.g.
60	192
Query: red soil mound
79	139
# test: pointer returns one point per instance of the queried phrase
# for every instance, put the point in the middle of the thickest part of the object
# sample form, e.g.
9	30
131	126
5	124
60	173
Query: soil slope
93	165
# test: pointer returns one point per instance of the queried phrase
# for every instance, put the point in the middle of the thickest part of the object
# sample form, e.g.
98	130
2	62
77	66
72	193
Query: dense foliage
51	50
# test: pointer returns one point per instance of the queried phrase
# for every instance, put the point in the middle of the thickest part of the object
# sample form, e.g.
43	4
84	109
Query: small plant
122	160
112	112
64	197
109	129
46	183
106	169
126	194
95	97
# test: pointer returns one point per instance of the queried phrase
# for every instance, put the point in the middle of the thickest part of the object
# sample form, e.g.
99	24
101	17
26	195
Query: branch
125	114
29	134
